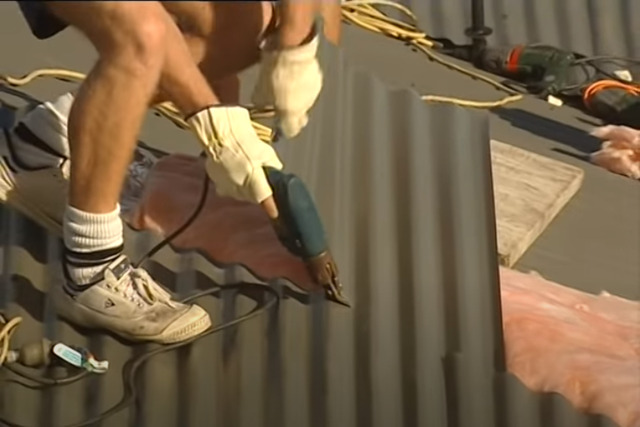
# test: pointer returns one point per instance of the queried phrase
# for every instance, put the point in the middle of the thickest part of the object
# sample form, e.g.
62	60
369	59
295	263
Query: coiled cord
7	329
131	368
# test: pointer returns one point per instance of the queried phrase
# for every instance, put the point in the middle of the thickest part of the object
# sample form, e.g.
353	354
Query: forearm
296	21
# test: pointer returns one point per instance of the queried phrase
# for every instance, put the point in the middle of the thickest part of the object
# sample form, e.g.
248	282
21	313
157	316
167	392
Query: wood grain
529	190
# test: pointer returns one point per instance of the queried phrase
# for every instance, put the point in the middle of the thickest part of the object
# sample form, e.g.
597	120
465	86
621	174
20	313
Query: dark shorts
42	23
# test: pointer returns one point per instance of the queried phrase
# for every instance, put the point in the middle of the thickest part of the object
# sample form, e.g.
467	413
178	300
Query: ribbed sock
40	139
92	241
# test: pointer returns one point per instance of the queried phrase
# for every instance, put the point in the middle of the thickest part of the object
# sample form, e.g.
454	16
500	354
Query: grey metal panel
603	27
404	189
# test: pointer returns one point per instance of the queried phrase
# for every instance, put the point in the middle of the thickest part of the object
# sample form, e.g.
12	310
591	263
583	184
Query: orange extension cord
601	85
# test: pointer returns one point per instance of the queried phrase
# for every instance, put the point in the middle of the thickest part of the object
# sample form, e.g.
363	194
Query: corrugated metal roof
559	133
601	27
404	190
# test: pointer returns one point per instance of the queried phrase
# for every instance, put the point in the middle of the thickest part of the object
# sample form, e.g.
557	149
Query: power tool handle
299	227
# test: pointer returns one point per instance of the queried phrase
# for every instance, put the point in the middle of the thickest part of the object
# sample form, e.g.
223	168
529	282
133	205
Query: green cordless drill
545	69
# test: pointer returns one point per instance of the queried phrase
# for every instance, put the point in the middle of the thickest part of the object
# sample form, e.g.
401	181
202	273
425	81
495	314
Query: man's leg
38	146
222	37
188	89
102	290
109	107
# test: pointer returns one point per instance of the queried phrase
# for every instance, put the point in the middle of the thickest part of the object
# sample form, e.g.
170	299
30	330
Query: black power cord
593	69
133	365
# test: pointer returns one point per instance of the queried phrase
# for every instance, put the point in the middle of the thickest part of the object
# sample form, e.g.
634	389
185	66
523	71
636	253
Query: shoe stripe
93	256
88	264
27	135
81	260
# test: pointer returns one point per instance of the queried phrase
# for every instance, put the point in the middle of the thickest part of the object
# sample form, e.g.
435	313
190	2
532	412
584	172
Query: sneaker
129	303
40	194
132	304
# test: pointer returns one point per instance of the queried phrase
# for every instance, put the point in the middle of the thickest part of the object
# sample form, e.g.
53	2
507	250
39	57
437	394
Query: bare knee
143	43
131	33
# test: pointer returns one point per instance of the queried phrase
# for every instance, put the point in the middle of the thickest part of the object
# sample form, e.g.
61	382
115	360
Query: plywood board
529	191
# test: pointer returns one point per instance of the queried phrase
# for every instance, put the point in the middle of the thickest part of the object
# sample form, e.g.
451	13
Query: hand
235	155
291	80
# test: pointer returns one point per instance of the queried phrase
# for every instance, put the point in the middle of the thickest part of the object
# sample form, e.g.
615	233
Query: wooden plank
529	191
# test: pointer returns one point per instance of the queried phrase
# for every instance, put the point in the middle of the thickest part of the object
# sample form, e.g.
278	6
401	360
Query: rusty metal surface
410	223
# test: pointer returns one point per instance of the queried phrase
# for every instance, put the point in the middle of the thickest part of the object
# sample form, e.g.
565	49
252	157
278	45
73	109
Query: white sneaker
40	194
129	303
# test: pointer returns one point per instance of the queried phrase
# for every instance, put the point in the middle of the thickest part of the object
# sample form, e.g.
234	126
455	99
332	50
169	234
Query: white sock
92	242
41	136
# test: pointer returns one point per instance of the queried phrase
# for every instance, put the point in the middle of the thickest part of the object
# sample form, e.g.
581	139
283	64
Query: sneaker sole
194	329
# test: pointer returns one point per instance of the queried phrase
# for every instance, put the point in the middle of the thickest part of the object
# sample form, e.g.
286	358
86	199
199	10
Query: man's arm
297	17
291	77
296	21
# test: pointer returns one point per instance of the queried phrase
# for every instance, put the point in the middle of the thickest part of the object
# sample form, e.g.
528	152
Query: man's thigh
223	37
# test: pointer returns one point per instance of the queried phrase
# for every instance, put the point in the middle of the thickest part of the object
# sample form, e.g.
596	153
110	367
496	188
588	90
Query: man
143	58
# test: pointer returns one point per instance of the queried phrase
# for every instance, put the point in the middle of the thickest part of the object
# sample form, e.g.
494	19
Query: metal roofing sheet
559	133
602	27
404	189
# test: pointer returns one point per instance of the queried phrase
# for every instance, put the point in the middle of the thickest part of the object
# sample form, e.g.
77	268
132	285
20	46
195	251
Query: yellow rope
7	329
166	109
365	14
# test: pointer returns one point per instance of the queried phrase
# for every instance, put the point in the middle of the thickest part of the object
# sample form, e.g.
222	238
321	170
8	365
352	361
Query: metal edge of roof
404	189
591	27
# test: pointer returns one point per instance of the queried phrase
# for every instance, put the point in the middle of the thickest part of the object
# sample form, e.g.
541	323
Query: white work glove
290	80
235	154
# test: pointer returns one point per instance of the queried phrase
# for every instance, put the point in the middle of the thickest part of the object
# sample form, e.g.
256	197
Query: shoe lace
140	288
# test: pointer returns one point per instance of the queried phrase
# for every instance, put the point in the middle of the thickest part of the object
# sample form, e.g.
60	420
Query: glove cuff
305	52
214	124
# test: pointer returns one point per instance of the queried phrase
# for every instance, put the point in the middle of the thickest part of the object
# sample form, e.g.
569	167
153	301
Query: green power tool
546	70
300	230
604	86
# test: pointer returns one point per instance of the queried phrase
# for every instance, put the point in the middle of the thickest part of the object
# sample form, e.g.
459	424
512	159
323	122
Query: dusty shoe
40	194
129	303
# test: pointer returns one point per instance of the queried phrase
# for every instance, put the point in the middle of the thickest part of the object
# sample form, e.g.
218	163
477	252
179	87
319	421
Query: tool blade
334	293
